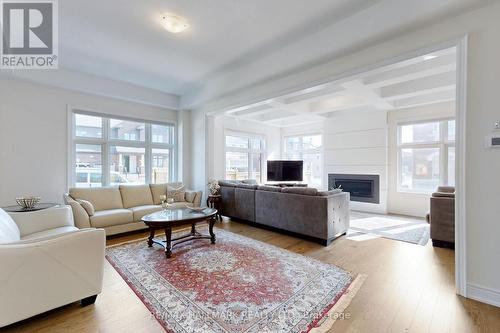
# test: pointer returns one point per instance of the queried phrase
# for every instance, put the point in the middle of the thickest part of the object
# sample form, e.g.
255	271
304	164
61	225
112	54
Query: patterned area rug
410	231
236	285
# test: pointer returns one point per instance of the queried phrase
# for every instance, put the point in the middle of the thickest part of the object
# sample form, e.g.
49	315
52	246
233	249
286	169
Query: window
426	155
308	148
244	156
112	151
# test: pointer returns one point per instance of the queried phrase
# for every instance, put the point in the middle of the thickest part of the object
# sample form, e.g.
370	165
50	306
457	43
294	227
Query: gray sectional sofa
305	212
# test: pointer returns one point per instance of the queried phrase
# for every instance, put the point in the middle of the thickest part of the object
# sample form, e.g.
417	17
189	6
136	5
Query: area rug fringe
340	306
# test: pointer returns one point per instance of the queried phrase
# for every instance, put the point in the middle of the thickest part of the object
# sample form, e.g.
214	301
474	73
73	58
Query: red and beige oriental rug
236	285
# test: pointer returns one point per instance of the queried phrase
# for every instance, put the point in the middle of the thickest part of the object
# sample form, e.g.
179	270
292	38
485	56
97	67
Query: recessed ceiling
419	81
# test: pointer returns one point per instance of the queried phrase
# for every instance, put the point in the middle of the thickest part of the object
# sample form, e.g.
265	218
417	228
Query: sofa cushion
87	205
177	192
9	231
269	188
300	190
228	183
107	218
328	193
247	186
141	211
102	198
136	195
443	195
250	181
157	190
50	232
446	189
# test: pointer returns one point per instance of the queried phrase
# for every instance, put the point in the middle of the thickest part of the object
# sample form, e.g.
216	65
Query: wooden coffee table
169	218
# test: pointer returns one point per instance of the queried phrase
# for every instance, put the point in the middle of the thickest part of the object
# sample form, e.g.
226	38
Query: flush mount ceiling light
174	23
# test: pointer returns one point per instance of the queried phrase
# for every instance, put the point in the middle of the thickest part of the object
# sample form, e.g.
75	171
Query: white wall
356	143
413	204
34	135
482	165
222	124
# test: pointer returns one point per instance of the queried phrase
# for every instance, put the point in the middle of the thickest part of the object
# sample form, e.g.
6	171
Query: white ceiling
124	41
415	82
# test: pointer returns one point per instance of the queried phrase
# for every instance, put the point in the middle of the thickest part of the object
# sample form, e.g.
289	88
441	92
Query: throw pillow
88	206
177	193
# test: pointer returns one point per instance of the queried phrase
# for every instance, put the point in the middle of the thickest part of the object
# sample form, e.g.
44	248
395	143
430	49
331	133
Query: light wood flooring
409	288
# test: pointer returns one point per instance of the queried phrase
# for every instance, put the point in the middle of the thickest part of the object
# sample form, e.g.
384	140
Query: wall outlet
497	125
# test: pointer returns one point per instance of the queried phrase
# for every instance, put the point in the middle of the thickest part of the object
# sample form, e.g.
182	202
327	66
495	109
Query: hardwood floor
409	288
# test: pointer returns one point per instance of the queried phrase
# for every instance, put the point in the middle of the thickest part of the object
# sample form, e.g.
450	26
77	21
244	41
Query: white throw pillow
9	231
177	193
88	206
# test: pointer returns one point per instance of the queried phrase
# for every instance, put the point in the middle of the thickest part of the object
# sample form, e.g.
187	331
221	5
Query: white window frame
106	142
443	145
249	151
319	151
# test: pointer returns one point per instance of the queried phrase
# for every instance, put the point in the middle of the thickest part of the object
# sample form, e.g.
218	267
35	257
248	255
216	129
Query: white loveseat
46	262
120	209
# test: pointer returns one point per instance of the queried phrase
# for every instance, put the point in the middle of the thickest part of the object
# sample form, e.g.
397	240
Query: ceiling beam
255	106
367	94
419	70
436	97
422	86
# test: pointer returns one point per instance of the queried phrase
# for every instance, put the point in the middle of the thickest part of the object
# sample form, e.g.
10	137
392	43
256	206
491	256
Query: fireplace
363	188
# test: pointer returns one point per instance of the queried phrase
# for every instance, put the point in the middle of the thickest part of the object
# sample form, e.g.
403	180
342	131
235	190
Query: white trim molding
460	178
484	295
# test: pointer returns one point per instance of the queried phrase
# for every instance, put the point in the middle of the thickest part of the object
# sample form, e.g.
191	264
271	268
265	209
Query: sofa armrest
194	197
80	215
31	222
43	275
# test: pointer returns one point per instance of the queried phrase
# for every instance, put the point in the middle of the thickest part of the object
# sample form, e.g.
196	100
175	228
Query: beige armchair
442	217
46	262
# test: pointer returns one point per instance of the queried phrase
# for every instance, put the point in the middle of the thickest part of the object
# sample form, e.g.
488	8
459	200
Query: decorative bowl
28	202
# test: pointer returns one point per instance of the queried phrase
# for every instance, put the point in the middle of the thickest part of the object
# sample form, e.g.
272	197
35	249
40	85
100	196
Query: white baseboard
483	294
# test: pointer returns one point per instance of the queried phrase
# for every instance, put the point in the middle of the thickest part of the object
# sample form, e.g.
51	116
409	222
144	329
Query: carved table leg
151	236
168	244
211	229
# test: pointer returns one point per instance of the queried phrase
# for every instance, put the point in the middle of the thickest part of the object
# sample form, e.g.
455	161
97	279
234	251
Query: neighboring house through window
245	154
308	148
112	151
426	155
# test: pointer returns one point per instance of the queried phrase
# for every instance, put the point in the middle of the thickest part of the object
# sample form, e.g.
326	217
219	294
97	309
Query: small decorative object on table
213	186
166	202
28	202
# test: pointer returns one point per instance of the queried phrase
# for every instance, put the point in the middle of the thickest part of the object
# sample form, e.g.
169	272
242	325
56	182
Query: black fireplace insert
363	188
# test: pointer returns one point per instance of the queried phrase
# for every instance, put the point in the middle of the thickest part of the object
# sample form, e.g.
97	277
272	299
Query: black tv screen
283	171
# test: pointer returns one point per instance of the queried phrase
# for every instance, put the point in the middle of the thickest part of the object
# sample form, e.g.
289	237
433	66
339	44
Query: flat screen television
284	171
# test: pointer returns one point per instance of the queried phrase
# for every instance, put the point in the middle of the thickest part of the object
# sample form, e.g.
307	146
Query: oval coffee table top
179	214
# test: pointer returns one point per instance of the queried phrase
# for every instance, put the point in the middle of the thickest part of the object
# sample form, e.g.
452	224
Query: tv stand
287	184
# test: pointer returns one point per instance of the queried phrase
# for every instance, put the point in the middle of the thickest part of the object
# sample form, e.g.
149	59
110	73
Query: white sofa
46	262
120	209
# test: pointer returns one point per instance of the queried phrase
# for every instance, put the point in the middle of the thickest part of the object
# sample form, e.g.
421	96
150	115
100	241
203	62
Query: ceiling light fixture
174	23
